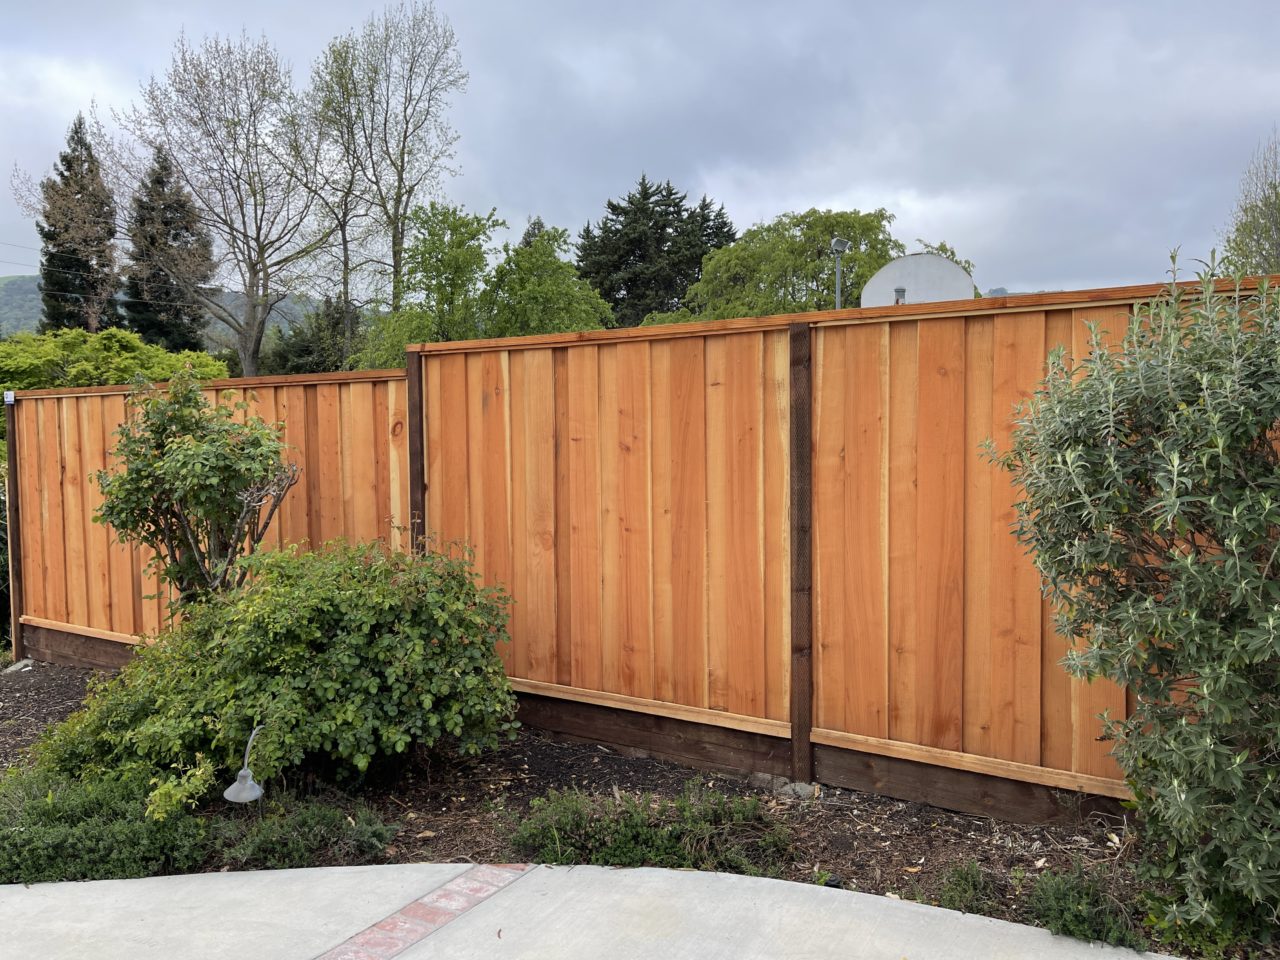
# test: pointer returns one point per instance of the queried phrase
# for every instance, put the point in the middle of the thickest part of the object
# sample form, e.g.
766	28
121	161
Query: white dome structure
917	278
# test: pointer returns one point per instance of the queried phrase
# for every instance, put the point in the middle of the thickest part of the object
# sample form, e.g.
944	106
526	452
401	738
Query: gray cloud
1055	145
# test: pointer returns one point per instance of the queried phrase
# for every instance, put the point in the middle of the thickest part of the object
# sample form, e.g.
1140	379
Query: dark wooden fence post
417	459
801	553
14	529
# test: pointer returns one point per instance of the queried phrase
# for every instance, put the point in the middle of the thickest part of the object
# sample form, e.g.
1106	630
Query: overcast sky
1057	145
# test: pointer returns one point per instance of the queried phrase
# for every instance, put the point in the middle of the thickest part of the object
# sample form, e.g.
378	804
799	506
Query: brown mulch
466	812
32	699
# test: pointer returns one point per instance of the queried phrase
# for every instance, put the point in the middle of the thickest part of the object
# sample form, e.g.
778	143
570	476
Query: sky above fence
1057	146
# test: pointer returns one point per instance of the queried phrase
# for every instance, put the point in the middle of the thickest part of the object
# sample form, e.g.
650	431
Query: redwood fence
768	544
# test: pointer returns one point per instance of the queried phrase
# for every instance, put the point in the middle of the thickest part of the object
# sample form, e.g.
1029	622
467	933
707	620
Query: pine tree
165	229
648	247
535	228
77	225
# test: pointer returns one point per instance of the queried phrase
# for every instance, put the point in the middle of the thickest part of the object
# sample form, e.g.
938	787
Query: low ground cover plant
55	828
1079	903
700	830
1151	505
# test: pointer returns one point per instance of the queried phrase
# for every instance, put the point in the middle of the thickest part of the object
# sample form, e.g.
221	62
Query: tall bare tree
226	114
389	85
1251	243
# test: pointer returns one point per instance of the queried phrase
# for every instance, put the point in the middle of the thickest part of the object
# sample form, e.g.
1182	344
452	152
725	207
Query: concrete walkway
459	911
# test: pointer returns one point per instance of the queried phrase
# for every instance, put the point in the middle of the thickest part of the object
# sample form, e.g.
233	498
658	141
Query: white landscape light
244	790
839	246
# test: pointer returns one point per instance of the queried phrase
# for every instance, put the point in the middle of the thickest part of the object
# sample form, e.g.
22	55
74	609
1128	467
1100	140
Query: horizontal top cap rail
975	306
231	383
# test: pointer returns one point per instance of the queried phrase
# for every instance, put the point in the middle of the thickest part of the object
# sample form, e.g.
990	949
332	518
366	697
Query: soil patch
465	811
32	699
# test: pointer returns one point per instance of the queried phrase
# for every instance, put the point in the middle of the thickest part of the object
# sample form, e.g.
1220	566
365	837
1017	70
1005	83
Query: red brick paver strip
418	920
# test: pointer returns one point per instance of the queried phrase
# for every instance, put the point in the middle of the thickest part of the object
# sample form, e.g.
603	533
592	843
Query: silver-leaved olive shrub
1150	500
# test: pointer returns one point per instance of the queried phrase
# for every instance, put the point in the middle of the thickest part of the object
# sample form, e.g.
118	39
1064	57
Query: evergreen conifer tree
165	229
648	247
77	225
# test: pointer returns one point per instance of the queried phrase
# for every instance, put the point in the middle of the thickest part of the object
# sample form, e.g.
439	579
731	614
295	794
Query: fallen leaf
911	869
1039	864
426	834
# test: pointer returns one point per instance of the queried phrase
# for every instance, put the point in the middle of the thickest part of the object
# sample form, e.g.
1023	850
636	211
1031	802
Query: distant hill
19	304
20	308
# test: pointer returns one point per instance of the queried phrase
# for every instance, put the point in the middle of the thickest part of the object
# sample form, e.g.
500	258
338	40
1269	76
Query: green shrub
1152	507
306	833
1077	903
77	358
55	828
347	655
196	484
67	828
967	888
700	830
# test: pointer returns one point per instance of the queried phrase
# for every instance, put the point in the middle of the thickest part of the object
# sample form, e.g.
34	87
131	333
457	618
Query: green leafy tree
534	290
648	248
447	264
786	266
198	483
164	228
1251	243
77	358
319	342
1151	504
77	226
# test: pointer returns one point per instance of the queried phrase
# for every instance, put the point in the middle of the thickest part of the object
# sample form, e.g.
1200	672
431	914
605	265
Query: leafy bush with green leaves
347	655
967	888
295	833
1151	504
198	483
700	830
55	827
77	358
1078	903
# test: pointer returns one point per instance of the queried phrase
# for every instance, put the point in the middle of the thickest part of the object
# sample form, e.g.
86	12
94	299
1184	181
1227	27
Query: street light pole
839	247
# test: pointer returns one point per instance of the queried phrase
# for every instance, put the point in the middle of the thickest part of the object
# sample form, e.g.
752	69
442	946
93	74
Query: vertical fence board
1018	355
829	527
74	477
980	655
679	521
34	507
776	520
939	667
906	712
97	538
864	586
533	515
586	667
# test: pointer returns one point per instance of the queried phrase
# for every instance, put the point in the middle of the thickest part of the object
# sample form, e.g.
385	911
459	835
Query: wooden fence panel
347	432
933	639
631	489
633	498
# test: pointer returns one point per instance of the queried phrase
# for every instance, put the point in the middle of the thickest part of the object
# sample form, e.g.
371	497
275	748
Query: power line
81	297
